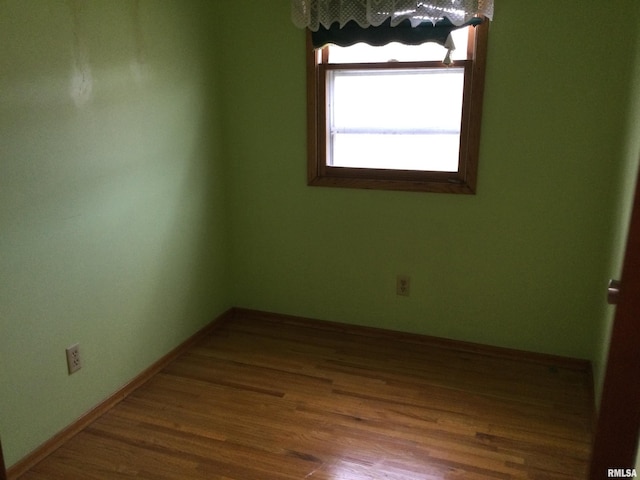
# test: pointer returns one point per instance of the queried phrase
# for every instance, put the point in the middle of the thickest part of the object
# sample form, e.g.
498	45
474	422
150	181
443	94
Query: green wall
152	174
522	264
112	204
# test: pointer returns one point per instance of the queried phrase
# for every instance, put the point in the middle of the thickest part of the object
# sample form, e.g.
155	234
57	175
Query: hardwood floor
267	399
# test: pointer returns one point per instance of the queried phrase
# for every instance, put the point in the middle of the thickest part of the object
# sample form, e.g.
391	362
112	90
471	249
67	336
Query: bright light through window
414	124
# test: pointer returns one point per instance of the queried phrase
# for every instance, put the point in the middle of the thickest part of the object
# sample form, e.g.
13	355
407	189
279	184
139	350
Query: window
395	117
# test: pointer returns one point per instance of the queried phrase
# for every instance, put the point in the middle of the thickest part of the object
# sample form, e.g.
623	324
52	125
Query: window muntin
325	168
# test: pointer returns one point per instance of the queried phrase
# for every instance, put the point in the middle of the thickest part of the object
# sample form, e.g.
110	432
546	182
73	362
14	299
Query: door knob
613	292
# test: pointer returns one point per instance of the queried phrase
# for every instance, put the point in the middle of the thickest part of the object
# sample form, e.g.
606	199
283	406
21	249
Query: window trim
464	181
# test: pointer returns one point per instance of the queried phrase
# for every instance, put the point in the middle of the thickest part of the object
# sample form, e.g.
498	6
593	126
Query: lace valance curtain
313	14
351	33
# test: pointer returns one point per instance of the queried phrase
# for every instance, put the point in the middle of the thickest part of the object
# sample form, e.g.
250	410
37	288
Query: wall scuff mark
81	88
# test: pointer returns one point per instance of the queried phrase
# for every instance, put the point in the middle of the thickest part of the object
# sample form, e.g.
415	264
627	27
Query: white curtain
315	13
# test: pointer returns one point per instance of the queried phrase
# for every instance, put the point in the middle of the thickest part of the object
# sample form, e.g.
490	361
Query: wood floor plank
277	400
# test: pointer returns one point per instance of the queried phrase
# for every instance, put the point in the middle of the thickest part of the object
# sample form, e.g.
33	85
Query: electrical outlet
403	285
73	358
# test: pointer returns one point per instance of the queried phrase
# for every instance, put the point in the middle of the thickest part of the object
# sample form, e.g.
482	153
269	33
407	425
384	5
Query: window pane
363	53
407	119
437	153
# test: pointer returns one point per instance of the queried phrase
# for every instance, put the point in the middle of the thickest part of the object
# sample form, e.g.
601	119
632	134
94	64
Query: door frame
3	470
618	426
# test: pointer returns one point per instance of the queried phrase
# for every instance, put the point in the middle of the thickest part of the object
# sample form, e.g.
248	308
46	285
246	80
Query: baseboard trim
458	345
47	448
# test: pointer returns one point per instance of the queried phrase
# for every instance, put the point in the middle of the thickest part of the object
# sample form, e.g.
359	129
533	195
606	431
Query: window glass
405	119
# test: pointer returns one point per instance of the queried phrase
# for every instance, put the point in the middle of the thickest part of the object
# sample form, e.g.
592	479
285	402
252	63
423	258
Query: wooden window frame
463	181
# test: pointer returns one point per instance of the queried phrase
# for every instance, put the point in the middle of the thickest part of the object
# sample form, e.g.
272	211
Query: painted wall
152	174
522	264
112	219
